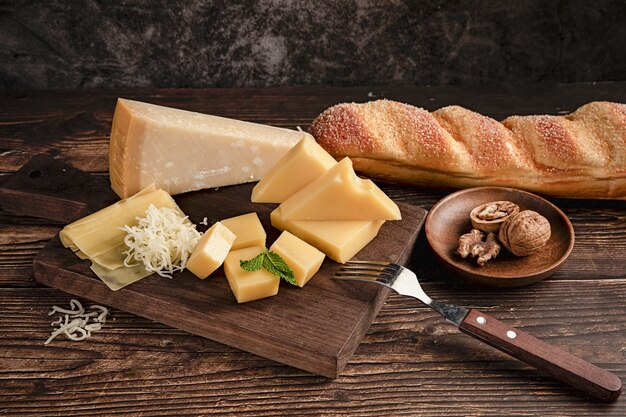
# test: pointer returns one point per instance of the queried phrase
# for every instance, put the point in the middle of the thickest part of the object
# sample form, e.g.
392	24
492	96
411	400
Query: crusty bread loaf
580	155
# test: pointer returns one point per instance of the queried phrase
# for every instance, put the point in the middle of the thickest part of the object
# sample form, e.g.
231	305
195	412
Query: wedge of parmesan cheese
182	151
99	237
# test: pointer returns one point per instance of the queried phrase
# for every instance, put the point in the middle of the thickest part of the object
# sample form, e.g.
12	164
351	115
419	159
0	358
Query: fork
576	372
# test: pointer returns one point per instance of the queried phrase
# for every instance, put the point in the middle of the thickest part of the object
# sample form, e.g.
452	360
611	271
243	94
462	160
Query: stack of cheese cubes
242	238
323	202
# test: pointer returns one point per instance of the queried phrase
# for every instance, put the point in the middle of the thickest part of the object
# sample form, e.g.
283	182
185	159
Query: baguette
580	155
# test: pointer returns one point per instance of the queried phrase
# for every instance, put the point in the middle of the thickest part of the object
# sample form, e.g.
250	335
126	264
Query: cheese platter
315	328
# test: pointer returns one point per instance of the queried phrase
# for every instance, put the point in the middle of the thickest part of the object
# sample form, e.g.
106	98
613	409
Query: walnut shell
525	233
489	216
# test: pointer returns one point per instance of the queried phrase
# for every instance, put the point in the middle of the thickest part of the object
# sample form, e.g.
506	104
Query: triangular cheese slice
300	166
182	151
340	195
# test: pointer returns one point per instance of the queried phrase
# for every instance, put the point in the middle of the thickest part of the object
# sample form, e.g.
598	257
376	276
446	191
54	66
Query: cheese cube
249	286
302	164
301	257
340	195
211	250
248	229
182	151
339	240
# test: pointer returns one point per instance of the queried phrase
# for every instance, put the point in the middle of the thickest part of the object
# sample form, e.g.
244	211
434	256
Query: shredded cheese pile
162	241
75	324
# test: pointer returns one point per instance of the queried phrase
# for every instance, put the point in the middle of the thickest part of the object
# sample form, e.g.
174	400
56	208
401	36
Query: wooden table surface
410	363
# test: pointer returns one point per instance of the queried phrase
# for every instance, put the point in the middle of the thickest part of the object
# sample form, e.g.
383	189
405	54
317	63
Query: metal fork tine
356	277
362	278
375	267
367	269
401	280
372	264
368	262
342	274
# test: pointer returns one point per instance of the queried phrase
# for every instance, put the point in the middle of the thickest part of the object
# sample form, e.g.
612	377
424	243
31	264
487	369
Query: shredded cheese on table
163	241
74	322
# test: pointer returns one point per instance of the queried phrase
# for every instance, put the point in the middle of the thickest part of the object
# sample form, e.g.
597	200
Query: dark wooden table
410	363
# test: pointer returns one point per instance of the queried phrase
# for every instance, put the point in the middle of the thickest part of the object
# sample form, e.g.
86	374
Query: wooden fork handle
543	356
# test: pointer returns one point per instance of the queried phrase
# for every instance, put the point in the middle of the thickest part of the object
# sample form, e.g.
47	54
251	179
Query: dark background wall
69	44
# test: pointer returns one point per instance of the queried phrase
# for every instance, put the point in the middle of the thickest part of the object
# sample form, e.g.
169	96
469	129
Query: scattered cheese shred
76	320
162	241
205	221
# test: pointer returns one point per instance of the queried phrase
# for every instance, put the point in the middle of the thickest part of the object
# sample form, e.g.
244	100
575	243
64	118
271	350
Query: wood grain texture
410	362
48	188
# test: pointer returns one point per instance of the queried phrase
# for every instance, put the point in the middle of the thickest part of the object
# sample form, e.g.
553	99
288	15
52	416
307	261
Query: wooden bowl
449	219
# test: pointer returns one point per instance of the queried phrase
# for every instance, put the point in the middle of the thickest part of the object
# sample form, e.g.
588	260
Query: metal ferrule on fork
401	280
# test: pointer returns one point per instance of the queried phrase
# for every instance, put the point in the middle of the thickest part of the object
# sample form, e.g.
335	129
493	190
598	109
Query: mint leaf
253	264
272	263
276	265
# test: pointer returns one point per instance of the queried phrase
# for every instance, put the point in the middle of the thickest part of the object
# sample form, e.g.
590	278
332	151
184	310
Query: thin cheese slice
183	151
120	277
98	237
83	227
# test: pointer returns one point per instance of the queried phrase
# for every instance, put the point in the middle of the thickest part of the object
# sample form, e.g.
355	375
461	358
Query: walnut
468	241
486	250
524	233
489	216
472	244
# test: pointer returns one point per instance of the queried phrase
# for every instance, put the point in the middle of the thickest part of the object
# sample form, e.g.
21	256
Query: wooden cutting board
315	328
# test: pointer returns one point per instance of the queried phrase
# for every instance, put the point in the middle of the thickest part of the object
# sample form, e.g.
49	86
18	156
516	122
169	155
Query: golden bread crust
581	155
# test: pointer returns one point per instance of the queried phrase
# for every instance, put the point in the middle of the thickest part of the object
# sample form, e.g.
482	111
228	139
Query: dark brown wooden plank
410	362
49	188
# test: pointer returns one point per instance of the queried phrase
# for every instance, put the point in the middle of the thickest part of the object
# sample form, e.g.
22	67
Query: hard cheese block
182	151
249	286
303	259
211	250
340	195
248	229
300	166
339	240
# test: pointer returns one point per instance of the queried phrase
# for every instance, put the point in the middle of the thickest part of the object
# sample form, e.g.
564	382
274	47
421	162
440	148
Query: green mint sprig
272	263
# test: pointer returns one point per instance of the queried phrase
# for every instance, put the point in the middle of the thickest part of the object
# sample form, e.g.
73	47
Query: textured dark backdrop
59	44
